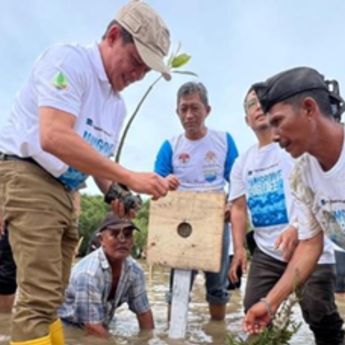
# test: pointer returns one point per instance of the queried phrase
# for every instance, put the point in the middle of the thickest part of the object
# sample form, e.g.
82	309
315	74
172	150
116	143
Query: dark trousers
340	270
8	283
317	304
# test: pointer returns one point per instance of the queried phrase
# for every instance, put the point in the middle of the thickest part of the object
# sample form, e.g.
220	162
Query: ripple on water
200	330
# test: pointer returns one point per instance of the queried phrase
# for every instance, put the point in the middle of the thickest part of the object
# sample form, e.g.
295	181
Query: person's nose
189	114
121	236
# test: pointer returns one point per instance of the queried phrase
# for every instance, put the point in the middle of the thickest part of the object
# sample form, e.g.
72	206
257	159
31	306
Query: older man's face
291	128
192	113
117	243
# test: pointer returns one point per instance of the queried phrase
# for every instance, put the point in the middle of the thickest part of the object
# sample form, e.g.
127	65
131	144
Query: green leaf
186	72
180	60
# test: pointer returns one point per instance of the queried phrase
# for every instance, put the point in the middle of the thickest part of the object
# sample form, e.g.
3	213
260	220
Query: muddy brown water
200	329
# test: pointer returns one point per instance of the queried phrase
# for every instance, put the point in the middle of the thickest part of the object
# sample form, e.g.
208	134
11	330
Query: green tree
93	210
140	237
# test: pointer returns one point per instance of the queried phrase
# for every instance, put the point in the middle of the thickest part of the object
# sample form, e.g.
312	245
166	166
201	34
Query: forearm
58	137
299	269
145	320
74	151
103	184
238	223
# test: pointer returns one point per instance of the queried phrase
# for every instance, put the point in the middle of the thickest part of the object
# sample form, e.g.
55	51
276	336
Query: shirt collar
127	264
96	60
103	259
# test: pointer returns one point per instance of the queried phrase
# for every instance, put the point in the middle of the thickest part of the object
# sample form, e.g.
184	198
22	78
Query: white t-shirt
262	175
200	165
322	198
70	78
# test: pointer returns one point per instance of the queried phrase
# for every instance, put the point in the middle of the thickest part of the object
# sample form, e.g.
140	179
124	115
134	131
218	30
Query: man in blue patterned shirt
105	279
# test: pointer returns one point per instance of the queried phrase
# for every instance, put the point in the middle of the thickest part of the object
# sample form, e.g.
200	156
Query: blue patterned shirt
86	297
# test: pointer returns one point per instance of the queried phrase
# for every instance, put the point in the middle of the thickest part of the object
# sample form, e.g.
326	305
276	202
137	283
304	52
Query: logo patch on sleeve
60	81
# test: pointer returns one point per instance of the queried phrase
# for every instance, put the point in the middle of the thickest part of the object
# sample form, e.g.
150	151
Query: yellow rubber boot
56	333
38	341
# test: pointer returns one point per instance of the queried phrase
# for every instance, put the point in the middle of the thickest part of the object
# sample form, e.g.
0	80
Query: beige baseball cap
151	35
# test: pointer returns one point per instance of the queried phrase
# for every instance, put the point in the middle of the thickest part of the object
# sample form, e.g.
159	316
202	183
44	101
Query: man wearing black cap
105	279
260	184
303	110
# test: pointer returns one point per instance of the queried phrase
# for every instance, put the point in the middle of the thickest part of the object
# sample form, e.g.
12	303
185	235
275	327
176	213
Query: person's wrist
125	177
239	250
269	308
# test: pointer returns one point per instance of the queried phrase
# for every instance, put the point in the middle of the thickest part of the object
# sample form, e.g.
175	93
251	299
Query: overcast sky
233	43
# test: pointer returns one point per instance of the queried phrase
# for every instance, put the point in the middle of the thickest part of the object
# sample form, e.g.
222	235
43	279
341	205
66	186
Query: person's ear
208	109
114	34
310	107
100	237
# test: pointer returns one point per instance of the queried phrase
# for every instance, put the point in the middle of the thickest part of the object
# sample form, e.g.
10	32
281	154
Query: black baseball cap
290	83
112	221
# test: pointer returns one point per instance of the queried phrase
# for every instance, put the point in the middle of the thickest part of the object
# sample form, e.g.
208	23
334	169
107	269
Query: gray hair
190	88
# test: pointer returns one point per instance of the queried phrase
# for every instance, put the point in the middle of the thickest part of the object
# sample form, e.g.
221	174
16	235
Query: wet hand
118	208
239	262
148	183
256	319
173	182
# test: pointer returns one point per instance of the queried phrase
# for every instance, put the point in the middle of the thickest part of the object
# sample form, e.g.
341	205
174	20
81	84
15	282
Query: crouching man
105	279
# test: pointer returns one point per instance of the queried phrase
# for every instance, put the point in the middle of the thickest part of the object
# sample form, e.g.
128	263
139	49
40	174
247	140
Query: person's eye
275	122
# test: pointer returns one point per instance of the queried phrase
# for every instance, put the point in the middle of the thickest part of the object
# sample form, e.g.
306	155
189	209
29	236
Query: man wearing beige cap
63	126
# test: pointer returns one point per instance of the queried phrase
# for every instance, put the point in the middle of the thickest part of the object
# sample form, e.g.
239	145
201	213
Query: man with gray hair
200	159
63	127
303	109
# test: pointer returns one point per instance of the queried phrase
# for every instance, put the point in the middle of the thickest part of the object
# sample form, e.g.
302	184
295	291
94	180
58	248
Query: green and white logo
60	81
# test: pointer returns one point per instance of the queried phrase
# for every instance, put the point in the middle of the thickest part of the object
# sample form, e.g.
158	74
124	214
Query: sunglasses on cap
122	233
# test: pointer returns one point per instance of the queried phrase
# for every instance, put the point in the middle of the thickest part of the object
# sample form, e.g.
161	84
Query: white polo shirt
70	78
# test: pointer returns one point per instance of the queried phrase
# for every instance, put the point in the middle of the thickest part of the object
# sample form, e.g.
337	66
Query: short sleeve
237	184
163	163
232	154
308	226
60	79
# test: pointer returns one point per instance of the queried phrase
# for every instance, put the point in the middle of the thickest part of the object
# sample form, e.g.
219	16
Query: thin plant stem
128	125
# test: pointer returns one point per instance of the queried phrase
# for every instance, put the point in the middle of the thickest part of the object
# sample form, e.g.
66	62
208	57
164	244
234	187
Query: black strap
9	157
